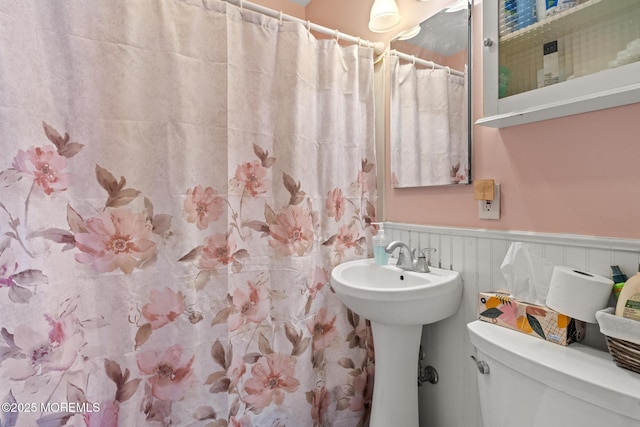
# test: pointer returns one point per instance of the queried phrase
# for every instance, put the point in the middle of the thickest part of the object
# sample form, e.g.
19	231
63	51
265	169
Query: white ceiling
443	33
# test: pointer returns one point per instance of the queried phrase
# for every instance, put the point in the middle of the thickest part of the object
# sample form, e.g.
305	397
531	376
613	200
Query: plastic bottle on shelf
544	8
526	13
510	15
566	4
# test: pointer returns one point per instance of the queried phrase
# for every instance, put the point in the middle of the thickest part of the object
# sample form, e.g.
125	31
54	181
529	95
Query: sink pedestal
395	388
397	302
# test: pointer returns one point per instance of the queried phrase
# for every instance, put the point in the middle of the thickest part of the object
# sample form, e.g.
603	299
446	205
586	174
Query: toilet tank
535	383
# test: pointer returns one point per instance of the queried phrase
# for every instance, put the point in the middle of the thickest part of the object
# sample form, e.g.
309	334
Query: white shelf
575	16
612	97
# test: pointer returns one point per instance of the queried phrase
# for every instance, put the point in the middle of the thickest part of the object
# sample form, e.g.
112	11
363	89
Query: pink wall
570	175
578	174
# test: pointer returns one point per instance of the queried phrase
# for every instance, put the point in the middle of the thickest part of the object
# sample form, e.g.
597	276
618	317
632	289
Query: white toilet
529	382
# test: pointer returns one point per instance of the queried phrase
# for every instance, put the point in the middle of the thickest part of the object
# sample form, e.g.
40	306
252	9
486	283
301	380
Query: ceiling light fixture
384	16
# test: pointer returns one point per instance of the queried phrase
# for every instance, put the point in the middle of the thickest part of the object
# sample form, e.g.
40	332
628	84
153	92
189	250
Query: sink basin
398	303
387	294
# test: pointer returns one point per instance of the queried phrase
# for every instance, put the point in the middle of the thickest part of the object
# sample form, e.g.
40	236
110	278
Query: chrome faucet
407	257
405	261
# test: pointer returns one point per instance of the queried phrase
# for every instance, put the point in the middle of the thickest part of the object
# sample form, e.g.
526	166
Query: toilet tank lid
584	372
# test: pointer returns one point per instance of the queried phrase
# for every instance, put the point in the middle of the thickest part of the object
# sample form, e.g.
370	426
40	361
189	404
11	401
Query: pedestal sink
397	302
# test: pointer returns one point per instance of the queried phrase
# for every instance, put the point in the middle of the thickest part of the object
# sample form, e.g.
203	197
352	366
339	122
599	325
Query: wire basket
623	338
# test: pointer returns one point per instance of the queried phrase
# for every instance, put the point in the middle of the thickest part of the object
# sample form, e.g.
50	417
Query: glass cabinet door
540	47
548	53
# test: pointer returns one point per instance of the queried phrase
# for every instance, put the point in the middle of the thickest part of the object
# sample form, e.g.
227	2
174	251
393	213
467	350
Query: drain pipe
428	374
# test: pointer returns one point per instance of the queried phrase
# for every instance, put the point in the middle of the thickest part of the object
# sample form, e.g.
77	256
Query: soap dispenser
379	241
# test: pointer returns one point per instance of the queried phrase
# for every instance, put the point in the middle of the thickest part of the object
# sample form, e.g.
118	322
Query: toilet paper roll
578	294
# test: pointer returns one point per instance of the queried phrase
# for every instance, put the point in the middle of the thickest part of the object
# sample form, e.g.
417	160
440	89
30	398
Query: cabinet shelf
565	22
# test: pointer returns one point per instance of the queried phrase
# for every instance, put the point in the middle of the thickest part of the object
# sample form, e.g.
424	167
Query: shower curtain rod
378	47
423	62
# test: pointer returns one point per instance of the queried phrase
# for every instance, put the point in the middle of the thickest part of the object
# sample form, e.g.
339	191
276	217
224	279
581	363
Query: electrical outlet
490	209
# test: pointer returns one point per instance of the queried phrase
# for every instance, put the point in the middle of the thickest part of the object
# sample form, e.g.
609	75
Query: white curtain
177	180
429	136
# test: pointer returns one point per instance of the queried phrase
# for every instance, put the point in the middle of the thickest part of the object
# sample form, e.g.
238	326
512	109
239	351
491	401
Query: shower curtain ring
448	70
308	25
337	36
359	41
280	17
413	60
433	66
241	5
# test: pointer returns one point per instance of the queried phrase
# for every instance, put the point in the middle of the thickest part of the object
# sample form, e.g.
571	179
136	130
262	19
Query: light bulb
384	16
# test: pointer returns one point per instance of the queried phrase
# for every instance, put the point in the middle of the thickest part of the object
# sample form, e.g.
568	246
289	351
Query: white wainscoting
477	254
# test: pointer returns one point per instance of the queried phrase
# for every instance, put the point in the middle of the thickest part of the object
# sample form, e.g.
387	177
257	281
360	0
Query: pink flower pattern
116	239
252	175
127	237
40	353
203	206
319	280
363	387
335	204
292	234
366	182
165	307
320	402
250	305
169	379
273	376
218	251
347	238
236	370
322	329
46	167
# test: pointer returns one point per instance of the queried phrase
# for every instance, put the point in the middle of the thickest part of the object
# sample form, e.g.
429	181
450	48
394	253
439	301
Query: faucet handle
421	264
424	258
423	252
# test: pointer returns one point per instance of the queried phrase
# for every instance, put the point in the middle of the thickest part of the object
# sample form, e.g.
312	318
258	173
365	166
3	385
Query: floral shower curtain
429	136
177	180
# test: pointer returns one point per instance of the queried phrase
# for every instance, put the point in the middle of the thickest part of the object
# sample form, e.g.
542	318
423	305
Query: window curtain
177	180
429	136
